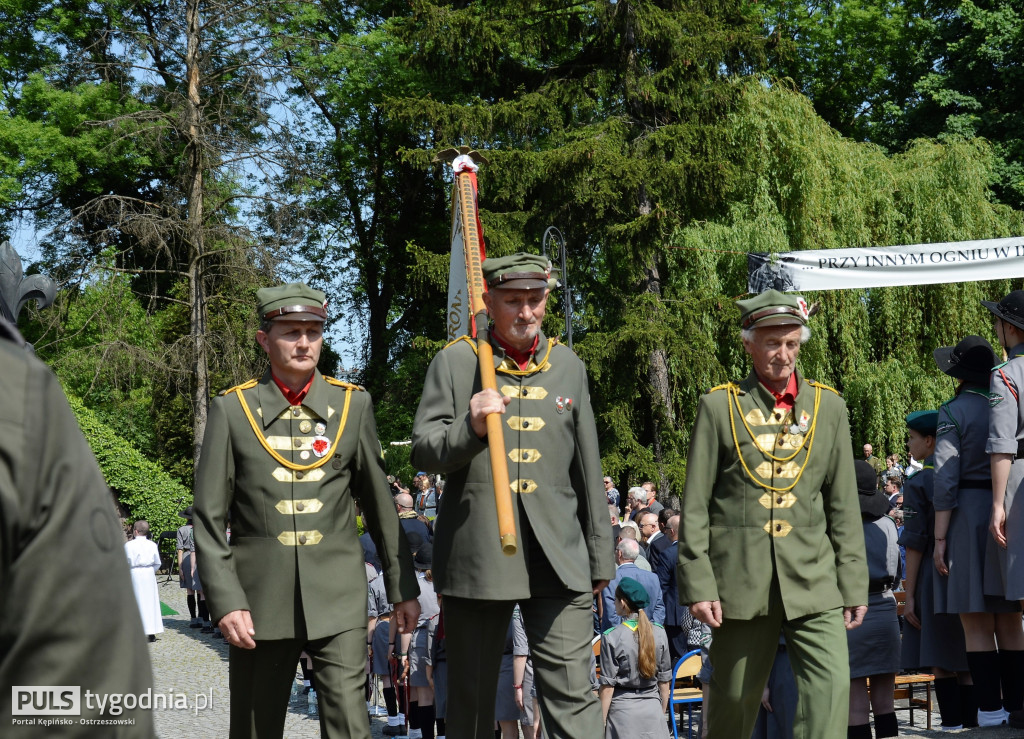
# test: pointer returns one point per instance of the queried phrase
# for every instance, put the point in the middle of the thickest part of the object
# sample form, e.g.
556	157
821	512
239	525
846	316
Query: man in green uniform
770	530
286	459
876	464
565	550
69	617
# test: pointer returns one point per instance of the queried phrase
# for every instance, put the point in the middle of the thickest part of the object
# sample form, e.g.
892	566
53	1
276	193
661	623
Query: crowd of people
785	551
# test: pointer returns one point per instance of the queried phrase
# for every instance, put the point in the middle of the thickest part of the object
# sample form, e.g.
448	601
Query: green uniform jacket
734	535
554	470
293	532
67	613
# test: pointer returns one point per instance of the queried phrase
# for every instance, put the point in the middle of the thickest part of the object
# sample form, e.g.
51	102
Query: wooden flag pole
465	191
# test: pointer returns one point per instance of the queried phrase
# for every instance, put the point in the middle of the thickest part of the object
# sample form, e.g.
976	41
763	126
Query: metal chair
684	695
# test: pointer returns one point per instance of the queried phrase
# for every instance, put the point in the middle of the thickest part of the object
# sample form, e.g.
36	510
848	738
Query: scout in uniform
770	529
286	457
69	617
636	669
875	645
560	508
933	639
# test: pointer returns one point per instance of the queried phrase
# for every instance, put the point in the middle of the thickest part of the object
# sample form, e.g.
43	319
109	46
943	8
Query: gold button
299	475
305	427
302	539
301	507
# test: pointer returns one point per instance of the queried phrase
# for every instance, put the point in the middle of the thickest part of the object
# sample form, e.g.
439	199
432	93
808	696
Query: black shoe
1016	719
151	637
195	623
217	634
206	630
394	730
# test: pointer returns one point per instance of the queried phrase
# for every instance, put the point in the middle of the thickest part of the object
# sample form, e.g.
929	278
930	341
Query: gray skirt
418	659
940	640
1013	571
379	663
636	716
875	644
189	579
505	708
976	563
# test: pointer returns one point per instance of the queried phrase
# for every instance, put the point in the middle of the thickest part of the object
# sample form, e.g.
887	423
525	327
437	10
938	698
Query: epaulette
244	386
724	386
468	339
342	383
814	383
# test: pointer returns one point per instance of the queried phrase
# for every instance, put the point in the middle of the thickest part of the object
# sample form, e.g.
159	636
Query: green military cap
772	308
295	301
923	422
633	592
519	271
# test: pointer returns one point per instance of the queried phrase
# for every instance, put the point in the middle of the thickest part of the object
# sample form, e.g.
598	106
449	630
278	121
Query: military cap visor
972	359
773	308
1009	309
923	422
520	271
633	592
295	301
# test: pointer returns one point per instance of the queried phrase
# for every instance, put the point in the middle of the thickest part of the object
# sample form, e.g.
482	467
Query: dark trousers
260	683
559	628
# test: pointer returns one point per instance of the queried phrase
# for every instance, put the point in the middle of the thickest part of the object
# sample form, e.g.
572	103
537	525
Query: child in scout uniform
932	640
635	669
875	646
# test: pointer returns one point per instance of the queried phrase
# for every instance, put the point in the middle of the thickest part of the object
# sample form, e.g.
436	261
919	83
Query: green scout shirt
735	535
554	471
293	524
69	617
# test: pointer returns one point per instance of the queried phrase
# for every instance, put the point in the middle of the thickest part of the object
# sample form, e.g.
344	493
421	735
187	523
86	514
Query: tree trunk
657	370
195	235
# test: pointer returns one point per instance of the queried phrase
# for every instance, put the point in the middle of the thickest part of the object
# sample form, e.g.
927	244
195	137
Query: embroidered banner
886	266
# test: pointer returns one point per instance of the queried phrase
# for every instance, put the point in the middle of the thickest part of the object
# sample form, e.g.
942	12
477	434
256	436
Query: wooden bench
906	686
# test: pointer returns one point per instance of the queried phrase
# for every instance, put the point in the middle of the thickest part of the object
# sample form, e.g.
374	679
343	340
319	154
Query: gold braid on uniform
734	397
273	453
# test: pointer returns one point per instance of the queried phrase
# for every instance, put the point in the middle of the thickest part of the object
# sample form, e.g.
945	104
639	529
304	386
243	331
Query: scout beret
972	360
772	308
633	592
295	301
1009	309
519	271
186	514
923	422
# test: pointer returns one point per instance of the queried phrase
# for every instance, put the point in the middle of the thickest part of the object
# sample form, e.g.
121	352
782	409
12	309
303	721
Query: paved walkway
187	661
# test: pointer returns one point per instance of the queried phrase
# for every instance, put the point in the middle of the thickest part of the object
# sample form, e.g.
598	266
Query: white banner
887	266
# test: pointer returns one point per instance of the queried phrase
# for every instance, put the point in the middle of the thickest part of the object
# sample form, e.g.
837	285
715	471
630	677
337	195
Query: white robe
144	559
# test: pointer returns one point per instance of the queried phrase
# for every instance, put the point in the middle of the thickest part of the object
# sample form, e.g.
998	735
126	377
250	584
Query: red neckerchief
522	359
786	399
293	398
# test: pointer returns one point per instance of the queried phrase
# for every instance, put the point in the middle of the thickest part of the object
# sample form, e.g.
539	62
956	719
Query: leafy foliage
139	485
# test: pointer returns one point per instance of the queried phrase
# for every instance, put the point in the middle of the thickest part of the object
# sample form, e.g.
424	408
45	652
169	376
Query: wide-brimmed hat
424	557
187	513
972	359
1009	309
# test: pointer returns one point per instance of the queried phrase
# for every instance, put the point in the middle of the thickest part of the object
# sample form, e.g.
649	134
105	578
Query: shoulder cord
277	457
809	440
735	397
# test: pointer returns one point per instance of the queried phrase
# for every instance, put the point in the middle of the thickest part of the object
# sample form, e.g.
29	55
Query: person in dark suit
675	614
